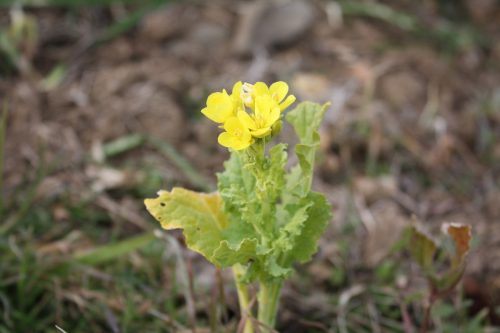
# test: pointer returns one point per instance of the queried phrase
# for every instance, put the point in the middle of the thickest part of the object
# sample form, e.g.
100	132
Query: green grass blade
182	164
129	22
123	144
112	251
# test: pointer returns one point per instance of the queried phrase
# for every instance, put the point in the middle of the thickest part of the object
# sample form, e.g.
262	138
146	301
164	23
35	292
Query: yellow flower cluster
265	105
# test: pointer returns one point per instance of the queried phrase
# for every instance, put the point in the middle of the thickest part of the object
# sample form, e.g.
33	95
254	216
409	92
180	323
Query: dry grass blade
167	319
121	211
184	279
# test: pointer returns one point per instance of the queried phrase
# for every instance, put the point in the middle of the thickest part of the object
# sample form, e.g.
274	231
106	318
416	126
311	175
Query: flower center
260	121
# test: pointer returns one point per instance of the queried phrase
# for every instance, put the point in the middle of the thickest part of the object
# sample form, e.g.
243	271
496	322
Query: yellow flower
237	135
277	91
236	97
265	114
221	106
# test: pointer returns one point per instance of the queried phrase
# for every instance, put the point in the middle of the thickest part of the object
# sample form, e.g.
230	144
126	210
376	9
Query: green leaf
295	216
305	119
276	270
228	255
275	172
204	225
305	243
422	248
236	187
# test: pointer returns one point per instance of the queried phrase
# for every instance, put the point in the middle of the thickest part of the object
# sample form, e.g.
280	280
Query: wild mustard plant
263	218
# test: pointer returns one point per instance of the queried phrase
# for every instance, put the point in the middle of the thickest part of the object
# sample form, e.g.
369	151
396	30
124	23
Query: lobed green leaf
305	242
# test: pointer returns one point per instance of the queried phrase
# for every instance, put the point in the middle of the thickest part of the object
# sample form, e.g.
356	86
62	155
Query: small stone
266	24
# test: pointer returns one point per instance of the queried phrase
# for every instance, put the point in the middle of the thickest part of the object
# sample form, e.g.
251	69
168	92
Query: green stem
268	297
243	297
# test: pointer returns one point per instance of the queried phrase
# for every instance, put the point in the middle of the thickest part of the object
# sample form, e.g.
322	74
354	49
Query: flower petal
288	101
260	88
237	88
242	145
246	120
278	90
219	107
233	125
263	105
262	132
225	139
230	141
274	116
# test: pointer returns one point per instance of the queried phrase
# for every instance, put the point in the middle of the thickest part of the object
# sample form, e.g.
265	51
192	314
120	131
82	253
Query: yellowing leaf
203	222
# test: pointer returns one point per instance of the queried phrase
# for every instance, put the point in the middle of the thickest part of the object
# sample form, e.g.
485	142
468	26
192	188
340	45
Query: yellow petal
233	125
236	98
288	101
219	107
262	132
242	144
246	136
263	105
225	139
260	88
218	98
237	88
230	141
274	115
278	90
246	120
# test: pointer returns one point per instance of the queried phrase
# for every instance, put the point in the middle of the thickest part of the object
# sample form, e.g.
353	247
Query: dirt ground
413	131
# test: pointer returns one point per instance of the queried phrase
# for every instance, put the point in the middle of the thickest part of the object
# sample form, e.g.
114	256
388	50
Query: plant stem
427	314
268	298
243	297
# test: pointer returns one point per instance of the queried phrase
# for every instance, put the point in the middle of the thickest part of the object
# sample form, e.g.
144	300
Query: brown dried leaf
461	235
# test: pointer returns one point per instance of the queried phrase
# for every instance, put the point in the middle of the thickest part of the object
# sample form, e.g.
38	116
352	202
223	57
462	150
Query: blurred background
100	108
